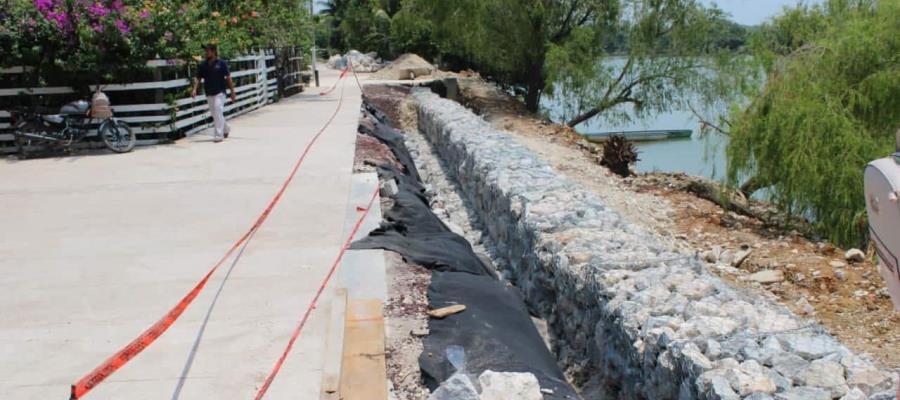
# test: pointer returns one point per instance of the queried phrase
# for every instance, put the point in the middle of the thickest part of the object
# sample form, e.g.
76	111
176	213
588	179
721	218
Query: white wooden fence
256	85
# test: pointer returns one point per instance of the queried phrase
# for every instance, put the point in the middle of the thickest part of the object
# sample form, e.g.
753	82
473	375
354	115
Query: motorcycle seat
76	107
54	118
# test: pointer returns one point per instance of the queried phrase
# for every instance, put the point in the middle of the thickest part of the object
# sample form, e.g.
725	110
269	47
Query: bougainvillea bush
111	40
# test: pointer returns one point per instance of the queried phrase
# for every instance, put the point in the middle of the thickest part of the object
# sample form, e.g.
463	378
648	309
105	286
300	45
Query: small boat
639	136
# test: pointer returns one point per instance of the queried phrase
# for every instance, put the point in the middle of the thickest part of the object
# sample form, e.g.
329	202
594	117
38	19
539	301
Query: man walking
215	75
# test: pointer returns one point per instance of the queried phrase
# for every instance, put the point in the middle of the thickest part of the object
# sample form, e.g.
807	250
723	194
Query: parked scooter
882	188
71	125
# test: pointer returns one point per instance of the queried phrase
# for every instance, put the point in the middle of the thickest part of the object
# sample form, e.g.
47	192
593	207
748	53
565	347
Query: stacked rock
630	315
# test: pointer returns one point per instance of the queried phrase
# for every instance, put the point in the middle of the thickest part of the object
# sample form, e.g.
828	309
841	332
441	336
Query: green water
701	154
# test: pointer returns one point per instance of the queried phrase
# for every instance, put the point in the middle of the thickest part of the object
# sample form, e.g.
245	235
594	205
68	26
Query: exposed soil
370	152
406	322
848	299
405	311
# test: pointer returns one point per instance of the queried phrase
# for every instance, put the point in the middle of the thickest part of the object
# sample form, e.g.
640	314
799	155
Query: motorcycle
71	125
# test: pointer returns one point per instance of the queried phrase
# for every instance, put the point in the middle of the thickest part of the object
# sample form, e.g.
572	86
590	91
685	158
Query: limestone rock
855	255
388	188
717	386
740	257
823	374
854	394
870	380
750	378
767	276
789	365
457	387
804	393
808	346
509	386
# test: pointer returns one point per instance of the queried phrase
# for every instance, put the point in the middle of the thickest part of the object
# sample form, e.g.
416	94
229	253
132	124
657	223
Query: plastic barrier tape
123	356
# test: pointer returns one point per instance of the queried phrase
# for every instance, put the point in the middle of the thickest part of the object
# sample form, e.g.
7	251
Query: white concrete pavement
96	248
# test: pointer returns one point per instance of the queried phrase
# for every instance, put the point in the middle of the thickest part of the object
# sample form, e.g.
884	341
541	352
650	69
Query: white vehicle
882	188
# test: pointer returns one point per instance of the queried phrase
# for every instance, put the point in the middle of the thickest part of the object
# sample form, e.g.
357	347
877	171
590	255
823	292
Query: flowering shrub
112	39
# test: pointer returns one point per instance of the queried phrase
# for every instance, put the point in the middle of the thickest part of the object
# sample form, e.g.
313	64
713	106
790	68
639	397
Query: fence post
261	78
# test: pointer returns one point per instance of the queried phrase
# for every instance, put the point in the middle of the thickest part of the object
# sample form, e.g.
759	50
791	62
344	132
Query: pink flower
145	14
62	21
97	27
118	5
123	27
98	10
43	5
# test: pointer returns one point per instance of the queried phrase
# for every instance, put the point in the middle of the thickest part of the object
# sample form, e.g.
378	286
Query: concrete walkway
96	248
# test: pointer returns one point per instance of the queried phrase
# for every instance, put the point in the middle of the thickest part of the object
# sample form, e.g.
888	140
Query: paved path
96	248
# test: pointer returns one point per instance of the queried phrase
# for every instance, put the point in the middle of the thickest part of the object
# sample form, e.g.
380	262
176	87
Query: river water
701	154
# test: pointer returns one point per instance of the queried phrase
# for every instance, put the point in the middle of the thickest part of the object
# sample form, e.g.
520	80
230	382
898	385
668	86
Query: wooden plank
16	70
334	346
174	83
141	107
43	90
363	374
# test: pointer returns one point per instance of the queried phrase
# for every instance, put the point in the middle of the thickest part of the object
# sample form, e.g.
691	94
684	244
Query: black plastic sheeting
495	330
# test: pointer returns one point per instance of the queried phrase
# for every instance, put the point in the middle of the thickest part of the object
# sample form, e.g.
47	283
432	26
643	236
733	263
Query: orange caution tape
312	305
123	356
331	89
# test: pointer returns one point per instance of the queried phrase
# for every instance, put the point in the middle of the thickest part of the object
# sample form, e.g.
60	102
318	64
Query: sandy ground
848	299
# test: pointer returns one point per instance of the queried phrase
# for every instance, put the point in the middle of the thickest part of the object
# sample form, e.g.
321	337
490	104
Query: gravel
629	313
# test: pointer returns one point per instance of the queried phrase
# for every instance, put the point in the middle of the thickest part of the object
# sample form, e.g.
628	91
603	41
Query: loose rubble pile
407	66
368	62
632	318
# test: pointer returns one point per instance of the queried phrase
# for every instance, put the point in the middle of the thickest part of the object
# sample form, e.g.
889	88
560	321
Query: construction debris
405	67
368	62
445	311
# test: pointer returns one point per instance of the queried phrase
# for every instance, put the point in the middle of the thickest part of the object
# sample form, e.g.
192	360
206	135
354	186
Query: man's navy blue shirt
213	75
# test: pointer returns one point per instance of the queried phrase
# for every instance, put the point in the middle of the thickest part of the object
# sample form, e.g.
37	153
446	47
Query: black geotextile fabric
495	330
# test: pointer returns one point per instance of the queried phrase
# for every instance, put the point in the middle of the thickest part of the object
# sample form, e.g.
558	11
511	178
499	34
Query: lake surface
702	155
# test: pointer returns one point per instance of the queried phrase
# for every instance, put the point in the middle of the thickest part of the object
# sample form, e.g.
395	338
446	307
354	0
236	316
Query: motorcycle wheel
23	143
117	136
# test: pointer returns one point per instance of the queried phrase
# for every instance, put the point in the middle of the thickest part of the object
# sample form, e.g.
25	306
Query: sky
754	12
746	12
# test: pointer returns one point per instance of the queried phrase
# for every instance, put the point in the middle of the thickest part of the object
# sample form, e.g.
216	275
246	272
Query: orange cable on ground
312	305
123	356
331	89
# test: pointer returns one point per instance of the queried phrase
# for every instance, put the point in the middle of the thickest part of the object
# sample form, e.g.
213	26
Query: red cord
312	304
127	353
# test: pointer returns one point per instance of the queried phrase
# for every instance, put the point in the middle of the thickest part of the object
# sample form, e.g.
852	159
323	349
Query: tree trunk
533	98
583	117
751	186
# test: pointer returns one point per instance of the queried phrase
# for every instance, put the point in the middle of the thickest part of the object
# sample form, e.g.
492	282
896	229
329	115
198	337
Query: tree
361	24
830	104
533	46
667	49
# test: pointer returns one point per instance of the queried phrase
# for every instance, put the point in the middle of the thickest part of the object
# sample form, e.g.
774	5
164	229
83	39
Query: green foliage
361	24
667	49
831	103
114	38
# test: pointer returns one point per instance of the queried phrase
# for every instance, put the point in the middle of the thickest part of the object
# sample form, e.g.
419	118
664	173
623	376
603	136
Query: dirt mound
407	66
